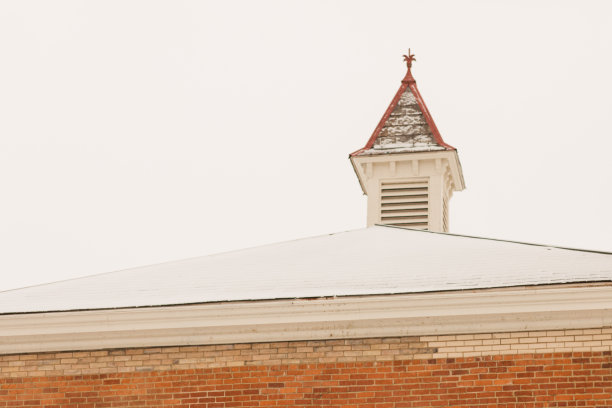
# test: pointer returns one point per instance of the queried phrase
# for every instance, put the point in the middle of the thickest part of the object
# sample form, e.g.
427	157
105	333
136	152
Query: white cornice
450	155
544	308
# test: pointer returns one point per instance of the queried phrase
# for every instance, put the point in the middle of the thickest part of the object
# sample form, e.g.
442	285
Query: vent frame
404	202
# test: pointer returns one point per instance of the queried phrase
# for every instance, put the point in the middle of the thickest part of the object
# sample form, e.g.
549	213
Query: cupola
407	171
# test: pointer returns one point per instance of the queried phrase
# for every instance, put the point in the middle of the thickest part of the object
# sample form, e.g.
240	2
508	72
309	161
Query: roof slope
376	260
406	126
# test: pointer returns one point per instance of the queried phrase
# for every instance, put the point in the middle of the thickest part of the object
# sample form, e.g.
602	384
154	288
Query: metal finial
409	58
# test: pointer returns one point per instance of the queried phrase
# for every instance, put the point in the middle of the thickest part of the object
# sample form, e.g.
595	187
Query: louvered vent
404	203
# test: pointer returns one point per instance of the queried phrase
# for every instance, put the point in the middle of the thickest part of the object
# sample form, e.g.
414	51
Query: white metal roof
376	260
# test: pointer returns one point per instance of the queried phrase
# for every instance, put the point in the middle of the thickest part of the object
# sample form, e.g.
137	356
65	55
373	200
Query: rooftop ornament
409	58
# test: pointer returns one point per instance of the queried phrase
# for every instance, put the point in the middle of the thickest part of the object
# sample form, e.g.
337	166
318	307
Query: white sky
137	132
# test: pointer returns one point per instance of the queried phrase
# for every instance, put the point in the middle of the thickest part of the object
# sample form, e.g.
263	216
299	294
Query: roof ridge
428	118
594	251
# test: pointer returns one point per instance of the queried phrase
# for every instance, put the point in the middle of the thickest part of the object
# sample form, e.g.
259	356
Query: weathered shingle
406	128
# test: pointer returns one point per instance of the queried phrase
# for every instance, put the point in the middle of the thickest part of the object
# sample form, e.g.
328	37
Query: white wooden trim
485	311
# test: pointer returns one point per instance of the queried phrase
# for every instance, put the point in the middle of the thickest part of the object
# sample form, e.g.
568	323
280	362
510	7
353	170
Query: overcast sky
138	132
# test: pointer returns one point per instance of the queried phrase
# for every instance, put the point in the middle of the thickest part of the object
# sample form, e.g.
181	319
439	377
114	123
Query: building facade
399	314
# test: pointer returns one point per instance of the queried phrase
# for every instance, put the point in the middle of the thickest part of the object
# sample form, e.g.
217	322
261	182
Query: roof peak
407	125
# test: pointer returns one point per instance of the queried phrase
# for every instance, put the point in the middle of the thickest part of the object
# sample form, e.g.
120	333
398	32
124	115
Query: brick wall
523	369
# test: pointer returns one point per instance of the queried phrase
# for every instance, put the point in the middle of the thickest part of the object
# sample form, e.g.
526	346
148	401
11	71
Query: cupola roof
407	125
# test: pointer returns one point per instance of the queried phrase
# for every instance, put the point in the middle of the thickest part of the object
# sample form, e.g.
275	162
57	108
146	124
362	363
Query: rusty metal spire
409	58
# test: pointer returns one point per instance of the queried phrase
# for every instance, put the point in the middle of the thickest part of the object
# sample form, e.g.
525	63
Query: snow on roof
370	261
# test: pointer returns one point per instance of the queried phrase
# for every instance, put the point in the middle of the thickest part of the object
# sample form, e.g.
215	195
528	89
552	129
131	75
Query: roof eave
516	309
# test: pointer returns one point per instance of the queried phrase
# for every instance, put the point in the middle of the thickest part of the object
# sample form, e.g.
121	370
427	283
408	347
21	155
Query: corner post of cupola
407	171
